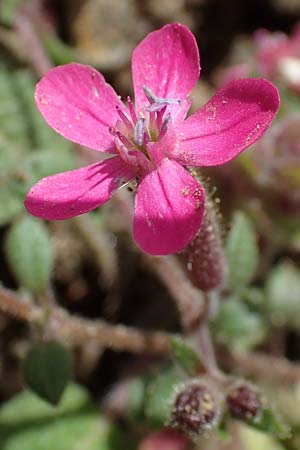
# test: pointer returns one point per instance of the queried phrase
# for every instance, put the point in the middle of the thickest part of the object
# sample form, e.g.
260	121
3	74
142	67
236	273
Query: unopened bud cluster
196	408
244	402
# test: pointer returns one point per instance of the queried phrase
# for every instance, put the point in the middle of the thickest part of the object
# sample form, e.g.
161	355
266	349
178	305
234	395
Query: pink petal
169	207
167	62
76	102
78	191
235	117
164	439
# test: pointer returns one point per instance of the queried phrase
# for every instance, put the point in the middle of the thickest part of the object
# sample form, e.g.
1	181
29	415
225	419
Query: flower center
133	132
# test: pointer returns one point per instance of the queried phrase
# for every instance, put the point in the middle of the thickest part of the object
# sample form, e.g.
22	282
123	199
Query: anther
139	131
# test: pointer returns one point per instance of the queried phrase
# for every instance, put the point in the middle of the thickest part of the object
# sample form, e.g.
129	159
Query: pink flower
278	55
150	142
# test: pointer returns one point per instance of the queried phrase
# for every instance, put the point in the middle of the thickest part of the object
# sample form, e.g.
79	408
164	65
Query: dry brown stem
76	331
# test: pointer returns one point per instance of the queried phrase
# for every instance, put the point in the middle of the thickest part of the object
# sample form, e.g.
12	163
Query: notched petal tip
167	62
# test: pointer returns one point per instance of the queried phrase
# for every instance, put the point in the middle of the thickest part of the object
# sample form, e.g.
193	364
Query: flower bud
204	256
244	402
196	407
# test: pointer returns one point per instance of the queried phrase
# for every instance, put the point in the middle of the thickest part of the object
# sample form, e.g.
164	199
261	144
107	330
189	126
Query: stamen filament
159	117
131	110
124	118
164	126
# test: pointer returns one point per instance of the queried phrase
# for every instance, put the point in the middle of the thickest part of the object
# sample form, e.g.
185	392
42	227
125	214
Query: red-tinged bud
196	408
204	257
244	402
165	440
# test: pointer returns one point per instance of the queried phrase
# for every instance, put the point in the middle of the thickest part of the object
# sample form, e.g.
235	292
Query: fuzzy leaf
271	423
242	252
47	370
185	355
160	395
28	423
10	205
29	252
283	295
237	326
8	10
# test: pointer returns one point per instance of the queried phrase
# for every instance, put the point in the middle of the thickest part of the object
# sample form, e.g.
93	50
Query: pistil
158	103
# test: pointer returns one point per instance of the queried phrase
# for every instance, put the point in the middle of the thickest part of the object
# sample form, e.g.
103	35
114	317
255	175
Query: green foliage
242	252
252	439
136	398
160	394
27	408
10	205
47	370
59	51
30	255
29	148
28	423
270	423
8	10
283	295
237	326
185	355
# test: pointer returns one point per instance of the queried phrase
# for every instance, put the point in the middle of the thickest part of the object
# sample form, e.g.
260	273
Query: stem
117	337
206	349
76	331
19	308
99	243
188	299
36	54
261	366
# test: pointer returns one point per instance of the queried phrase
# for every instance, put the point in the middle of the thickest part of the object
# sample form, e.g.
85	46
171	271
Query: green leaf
47	370
283	295
242	252
29	252
270	422
136	398
27	409
185	355
40	134
44	162
60	52
16	131
252	439
160	395
8	10
28	423
237	326
11	205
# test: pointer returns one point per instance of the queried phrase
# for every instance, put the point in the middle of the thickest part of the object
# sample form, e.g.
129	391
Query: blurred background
89	266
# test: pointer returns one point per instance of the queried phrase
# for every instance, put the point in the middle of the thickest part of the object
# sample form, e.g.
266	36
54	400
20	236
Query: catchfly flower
150	140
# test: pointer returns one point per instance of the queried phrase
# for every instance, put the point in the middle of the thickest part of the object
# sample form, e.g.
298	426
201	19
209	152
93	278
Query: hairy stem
76	331
99	243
